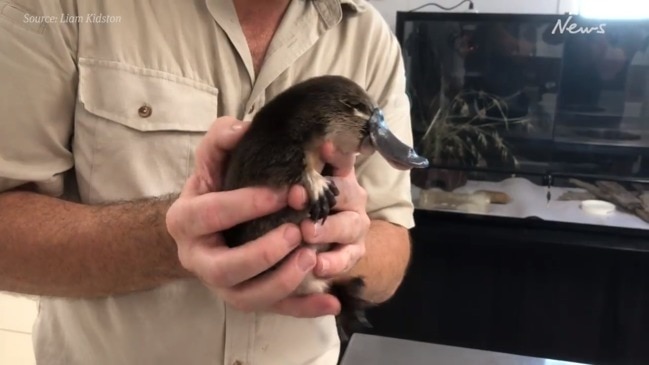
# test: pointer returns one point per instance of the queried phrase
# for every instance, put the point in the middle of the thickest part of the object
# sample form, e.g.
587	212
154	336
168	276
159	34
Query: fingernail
317	229
292	235
278	196
333	310
237	126
324	267
306	260
304	196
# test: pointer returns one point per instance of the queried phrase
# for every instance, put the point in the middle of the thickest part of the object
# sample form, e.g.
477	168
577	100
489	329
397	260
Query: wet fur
281	148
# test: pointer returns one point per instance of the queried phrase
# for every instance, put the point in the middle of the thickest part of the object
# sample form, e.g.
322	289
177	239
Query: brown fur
281	148
282	143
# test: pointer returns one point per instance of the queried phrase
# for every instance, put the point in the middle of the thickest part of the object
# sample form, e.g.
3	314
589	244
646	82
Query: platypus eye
361	113
353	104
358	109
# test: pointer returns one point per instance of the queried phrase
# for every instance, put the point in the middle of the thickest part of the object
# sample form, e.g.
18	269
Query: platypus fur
282	148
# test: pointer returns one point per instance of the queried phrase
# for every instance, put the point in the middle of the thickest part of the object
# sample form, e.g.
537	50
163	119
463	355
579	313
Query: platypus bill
282	148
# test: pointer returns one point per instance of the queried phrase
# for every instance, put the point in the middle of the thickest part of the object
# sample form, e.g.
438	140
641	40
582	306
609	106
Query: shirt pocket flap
145	99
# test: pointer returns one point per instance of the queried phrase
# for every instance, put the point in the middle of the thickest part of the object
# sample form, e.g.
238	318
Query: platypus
282	148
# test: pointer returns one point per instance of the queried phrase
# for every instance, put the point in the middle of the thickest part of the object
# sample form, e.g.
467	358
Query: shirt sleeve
38	80
388	189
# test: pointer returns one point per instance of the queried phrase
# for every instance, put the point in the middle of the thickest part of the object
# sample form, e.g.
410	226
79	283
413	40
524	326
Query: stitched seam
143	72
92	192
150	73
188	156
34	27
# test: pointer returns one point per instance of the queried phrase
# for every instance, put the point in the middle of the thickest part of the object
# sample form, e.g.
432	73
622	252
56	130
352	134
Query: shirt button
145	111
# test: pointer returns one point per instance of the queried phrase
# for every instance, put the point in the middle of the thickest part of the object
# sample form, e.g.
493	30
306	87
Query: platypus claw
325	200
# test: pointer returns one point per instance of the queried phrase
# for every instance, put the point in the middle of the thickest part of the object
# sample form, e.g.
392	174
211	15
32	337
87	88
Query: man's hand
202	211
348	227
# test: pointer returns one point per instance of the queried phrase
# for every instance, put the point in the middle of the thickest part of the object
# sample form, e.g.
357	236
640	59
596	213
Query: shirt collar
331	11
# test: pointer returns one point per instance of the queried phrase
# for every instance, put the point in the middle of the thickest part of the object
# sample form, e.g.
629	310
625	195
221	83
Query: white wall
389	8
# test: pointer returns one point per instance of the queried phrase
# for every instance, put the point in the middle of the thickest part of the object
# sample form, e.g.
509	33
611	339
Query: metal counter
375	350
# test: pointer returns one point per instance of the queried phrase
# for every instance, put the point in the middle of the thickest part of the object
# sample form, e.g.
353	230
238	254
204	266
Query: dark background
543	289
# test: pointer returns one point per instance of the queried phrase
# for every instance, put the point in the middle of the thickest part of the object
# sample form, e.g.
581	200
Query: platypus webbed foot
322	205
322	196
352	312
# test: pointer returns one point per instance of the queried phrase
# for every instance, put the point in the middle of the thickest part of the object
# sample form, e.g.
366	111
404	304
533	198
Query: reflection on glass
556	362
530	116
620	9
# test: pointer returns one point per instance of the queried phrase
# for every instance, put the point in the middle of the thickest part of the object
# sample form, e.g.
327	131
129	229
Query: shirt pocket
136	130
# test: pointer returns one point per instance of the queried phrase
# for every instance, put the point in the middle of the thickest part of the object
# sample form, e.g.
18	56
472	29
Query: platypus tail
352	313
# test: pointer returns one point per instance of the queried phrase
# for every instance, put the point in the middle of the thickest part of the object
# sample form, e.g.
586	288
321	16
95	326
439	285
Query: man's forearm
385	262
52	247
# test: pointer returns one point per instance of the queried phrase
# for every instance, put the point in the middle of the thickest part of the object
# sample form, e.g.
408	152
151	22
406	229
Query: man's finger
215	212
212	152
351	196
338	261
342	163
224	267
263	292
346	227
297	197
310	306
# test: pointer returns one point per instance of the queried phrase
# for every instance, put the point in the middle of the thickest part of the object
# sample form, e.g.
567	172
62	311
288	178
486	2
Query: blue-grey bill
397	153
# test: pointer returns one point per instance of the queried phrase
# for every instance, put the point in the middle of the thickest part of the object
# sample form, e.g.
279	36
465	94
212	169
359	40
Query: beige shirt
76	80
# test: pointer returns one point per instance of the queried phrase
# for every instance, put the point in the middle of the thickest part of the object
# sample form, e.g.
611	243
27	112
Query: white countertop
375	350
529	199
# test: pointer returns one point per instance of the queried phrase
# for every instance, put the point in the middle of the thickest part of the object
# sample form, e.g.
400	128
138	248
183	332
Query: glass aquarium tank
530	116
